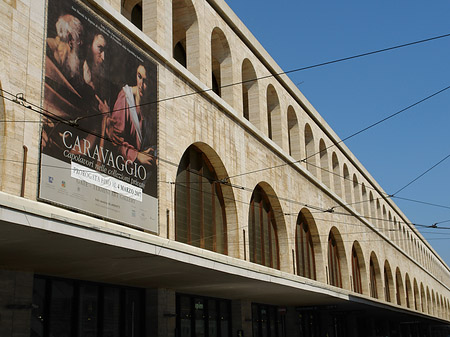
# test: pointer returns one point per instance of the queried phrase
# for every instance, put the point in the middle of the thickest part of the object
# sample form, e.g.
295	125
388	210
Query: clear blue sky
354	94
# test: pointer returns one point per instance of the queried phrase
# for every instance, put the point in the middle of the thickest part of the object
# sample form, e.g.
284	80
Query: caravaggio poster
99	136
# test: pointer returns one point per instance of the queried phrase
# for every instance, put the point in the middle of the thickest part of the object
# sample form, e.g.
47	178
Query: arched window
356	272
263	231
347	185
185	35
336	175
408	291
310	150
423	298
399	287
388	282
374	271
334	264
364	201
250	92
324	168
293	134
221	66
274	115
357	194
199	206
416	295
306	266
136	15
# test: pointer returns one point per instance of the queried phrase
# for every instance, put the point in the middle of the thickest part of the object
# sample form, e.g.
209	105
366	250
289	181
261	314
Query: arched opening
336	175
408	292
347	185
433	303
136	15
399	290
250	93
429	304
375	277
416	296
221	66
384	225
307	244
324	170
310	150
336	259
358	269
274	115
365	200
389	225
200	218
357	194
372	209
389	291
263	238
185	35
423	298
293	134
379	221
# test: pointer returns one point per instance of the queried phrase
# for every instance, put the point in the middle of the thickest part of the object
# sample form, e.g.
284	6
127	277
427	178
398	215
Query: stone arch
378	213
384	228
357	194
133	11
324	164
409	296
274	115
200	165
250	93
221	66
364	200
389	290
347	185
389	226
433	303
186	35
417	305
338	274
308	255
359	282
429	303
375	281
310	150
423	298
337	185
293	134
372	208
399	288
284	254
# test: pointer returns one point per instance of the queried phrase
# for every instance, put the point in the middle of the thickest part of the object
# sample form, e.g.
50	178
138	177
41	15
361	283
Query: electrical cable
348	137
289	71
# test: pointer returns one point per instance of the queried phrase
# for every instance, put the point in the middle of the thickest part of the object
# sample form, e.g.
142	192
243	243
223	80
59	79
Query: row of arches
282	127
205	216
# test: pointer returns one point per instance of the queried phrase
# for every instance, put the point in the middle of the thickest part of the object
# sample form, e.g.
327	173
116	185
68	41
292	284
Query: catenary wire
348	137
290	71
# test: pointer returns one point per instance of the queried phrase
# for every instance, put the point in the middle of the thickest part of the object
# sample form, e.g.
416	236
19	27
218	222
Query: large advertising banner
99	136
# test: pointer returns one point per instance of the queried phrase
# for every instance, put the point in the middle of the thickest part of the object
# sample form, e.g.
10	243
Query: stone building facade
265	223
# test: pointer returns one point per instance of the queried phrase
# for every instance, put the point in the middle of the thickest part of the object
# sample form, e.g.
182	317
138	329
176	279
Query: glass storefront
203	316
70	308
267	321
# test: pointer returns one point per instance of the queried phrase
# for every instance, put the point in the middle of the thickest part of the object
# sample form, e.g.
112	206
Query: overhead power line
348	58
348	137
